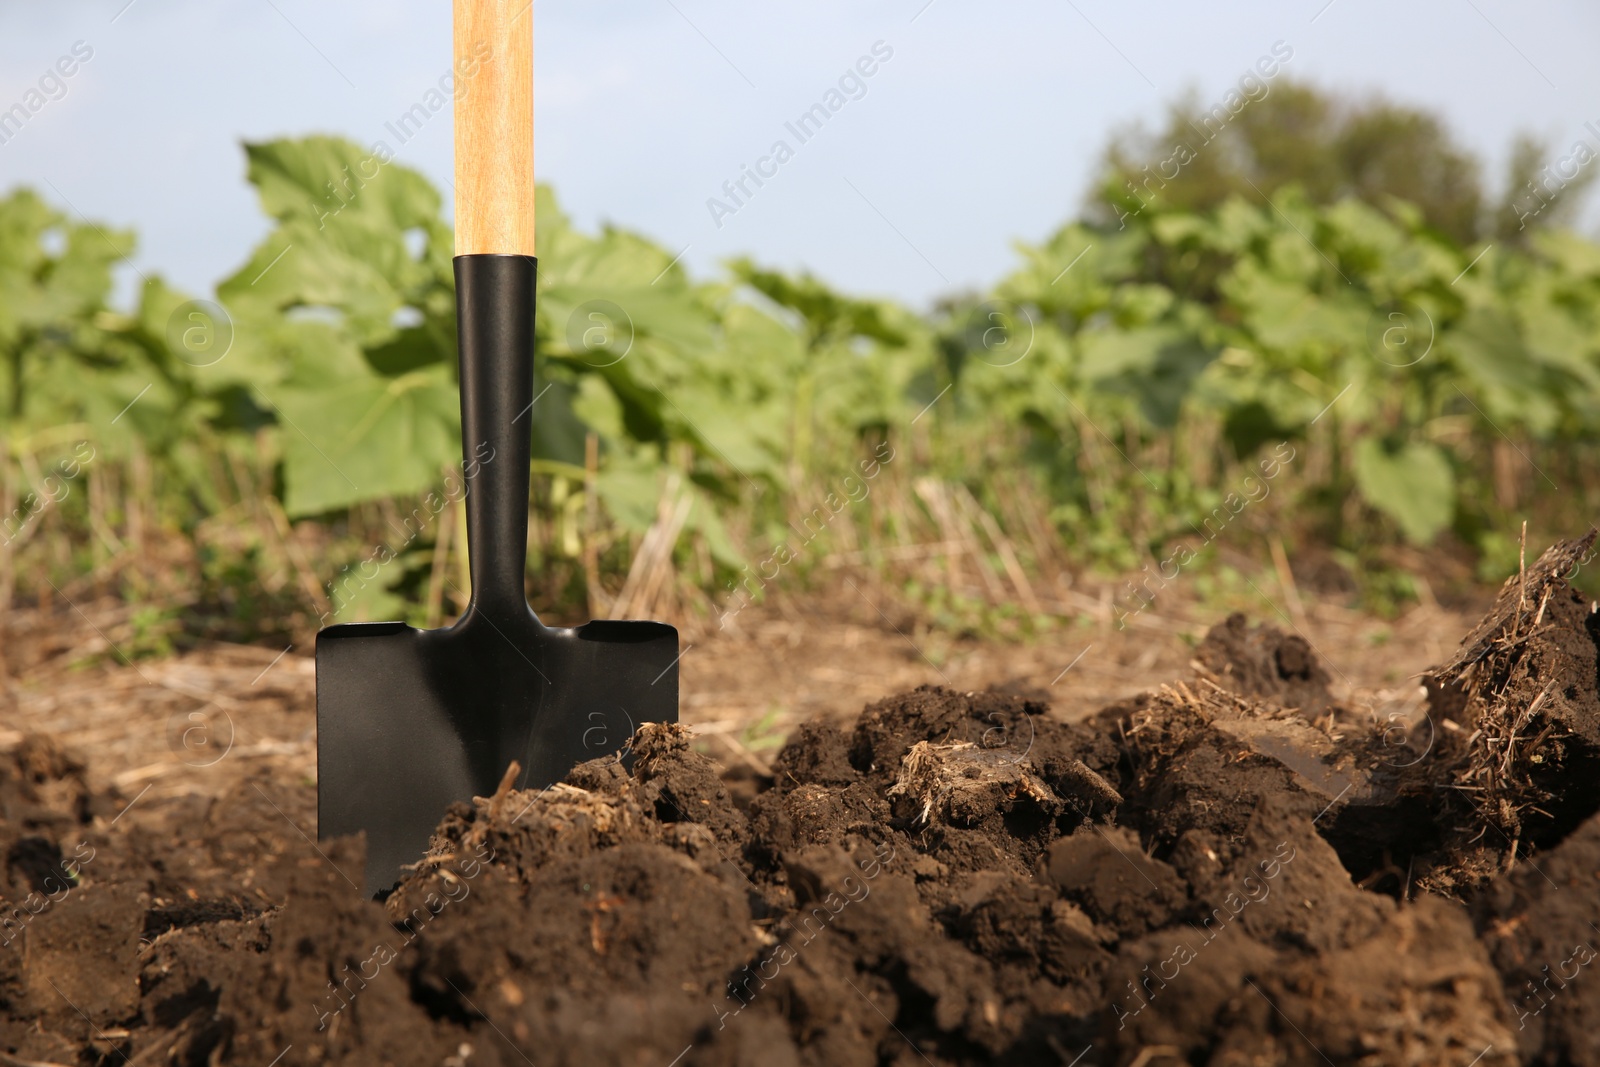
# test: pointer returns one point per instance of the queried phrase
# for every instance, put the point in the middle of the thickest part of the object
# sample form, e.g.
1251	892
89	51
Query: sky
979	127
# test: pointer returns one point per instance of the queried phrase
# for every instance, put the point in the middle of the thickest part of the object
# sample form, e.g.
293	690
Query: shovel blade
410	721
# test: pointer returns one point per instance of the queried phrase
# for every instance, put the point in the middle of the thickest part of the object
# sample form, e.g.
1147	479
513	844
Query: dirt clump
1108	875
1523	691
1284	960
1264	662
1541	925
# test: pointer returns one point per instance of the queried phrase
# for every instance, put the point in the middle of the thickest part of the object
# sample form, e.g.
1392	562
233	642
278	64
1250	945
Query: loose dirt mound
1264	662
1233	869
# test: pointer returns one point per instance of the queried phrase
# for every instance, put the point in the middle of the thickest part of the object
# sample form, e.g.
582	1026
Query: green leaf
704	520
1413	485
344	214
326	180
367	438
1488	348
1155	364
630	488
558	431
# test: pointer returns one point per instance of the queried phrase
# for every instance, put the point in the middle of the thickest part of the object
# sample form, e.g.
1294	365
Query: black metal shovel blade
409	721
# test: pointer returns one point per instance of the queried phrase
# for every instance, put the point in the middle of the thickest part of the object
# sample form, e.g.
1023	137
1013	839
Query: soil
1241	866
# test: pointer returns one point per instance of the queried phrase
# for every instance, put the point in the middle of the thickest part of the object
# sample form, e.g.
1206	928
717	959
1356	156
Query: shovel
408	720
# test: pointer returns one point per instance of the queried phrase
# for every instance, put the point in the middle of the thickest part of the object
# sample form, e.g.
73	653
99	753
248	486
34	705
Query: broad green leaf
559	432
1512	388
630	488
1154	364
322	180
344	216
598	406
367	438
1570	252
1413	485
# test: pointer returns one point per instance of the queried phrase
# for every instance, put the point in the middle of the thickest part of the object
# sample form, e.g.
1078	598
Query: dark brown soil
1232	869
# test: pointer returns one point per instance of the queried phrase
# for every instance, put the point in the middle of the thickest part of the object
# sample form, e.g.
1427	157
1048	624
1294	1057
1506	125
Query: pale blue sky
978	132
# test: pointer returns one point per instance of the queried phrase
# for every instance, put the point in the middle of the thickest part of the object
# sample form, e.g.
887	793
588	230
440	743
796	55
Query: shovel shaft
494	127
408	720
495	289
495	300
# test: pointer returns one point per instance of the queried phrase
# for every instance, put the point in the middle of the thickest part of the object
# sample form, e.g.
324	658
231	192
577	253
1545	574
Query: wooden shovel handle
494	127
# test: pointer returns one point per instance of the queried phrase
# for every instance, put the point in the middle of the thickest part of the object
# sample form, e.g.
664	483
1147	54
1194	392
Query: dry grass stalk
439	567
1002	547
8	504
279	525
931	493
1291	591
652	563
594	592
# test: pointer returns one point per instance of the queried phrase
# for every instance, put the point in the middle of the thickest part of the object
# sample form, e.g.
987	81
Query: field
1150	660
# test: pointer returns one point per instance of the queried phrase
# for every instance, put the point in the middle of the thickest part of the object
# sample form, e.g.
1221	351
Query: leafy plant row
1131	373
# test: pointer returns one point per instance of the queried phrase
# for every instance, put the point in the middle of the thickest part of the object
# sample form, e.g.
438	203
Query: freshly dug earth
1232	869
